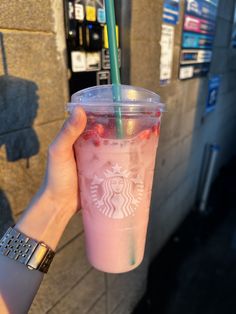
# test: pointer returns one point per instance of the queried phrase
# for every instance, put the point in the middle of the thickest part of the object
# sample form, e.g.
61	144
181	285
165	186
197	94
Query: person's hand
58	198
61	180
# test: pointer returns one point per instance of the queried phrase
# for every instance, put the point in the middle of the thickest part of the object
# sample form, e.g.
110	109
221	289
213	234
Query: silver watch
31	253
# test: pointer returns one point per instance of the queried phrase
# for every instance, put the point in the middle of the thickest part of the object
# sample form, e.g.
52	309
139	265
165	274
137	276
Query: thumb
71	130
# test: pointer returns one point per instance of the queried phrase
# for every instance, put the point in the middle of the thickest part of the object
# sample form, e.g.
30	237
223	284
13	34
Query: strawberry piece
145	134
99	128
106	133
89	134
156	129
111	123
158	114
96	142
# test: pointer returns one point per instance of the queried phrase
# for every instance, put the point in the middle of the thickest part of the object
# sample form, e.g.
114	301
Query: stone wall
185	130
32	98
33	92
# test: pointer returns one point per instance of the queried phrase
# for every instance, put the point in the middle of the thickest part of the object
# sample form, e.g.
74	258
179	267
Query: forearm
18	284
46	217
44	220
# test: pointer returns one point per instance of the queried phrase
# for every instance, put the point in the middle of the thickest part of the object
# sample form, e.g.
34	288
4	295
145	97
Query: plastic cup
116	175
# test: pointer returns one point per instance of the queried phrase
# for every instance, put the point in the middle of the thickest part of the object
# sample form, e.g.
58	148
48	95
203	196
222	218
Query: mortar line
31	31
31	126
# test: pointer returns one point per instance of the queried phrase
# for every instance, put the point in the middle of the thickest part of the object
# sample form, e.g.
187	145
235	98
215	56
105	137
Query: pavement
195	273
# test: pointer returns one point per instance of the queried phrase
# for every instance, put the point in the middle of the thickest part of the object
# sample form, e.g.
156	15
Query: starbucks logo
117	193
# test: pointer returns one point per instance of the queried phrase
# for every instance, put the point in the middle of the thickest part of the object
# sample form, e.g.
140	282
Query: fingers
71	130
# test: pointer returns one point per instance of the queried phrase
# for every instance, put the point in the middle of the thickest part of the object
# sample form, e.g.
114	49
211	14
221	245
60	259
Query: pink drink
115	178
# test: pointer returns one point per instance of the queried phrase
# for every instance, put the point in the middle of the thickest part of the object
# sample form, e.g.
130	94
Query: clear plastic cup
116	174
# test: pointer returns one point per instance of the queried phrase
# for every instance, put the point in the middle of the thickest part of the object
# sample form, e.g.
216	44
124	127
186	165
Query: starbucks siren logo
120	192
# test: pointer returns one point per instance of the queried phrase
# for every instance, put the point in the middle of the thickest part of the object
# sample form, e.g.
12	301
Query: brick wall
32	98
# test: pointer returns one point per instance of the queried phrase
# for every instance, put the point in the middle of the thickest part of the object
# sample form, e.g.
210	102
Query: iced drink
115	176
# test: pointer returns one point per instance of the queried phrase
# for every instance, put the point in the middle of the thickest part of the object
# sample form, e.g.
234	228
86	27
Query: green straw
115	73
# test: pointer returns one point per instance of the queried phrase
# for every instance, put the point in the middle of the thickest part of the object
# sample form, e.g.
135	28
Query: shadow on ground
196	271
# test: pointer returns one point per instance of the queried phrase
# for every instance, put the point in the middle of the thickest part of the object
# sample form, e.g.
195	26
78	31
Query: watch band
31	253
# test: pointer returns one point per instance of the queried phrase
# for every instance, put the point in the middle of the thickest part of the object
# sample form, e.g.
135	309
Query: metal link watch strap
33	254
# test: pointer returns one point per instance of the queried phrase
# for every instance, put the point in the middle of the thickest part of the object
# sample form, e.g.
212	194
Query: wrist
43	220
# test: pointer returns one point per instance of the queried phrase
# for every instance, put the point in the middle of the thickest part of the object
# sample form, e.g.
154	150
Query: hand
58	198
61	180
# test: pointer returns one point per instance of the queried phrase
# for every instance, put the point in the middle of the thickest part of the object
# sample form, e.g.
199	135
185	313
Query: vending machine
87	43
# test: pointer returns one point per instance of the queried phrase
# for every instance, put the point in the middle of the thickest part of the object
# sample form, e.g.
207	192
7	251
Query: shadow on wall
18	109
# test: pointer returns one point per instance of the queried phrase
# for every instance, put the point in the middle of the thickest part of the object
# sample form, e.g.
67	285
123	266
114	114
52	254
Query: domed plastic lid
132	99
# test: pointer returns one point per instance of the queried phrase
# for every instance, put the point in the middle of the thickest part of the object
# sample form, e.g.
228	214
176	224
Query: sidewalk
195	273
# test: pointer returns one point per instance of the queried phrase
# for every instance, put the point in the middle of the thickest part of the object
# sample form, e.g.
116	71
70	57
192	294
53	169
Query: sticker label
202	9
103	78
93	61
167	45
193	40
70	10
198	70
171	12
79	12
117	194
106	59
194	24
186	72
78	61
198	37
195	56
90	13
101	16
